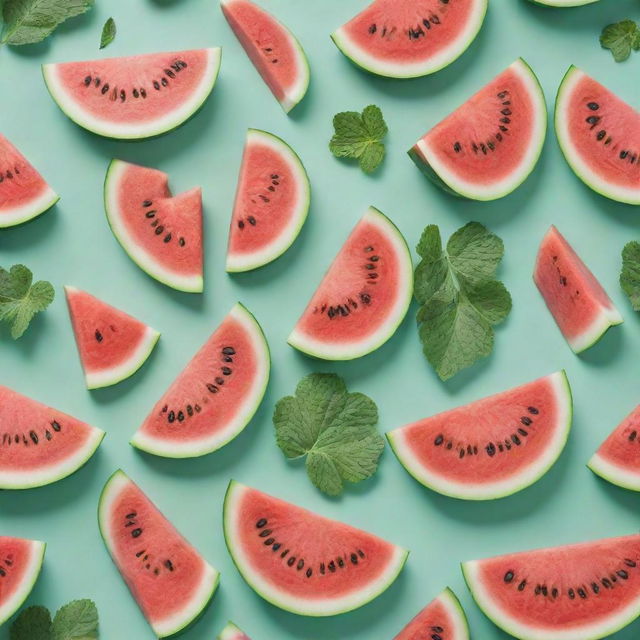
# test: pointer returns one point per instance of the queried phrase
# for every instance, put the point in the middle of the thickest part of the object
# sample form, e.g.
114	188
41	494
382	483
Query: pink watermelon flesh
231	632
441	619
17	560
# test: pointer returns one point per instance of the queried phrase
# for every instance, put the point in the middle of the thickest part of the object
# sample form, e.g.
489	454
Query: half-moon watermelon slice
24	194
161	233
443	619
40	445
215	396
410	38
599	135
488	146
231	632
134	97
577	592
20	565
493	447
272	202
273	49
363	297
302	562
169	579
112	345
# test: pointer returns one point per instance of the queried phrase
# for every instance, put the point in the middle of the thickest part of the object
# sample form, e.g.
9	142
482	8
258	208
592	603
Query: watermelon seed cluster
8	439
272	188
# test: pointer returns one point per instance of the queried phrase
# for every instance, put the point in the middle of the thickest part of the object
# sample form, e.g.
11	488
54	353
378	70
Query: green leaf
77	620
630	275
621	38
108	33
33	623
334	429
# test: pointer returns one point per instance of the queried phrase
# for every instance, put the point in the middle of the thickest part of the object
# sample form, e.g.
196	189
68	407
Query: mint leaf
334	429
621	38
108	33
360	136
630	275
461	301
33	623
77	620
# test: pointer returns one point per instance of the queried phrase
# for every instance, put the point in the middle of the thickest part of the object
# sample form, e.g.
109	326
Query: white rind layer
607	317
563	3
138	131
316	607
29	210
450	602
620	476
231	632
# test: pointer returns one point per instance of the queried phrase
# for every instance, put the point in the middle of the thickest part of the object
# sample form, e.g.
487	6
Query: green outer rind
462	616
619	481
38	211
429	173
598	337
551	3
229	631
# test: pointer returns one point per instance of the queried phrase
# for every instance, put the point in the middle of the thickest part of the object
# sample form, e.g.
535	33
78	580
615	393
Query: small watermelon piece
577	592
40	445
493	447
363	297
580	306
273	49
599	136
112	345
24	194
272	202
134	97
410	38
443	618
169	579
215	396
231	632
161	233
302	562
20	565
488	147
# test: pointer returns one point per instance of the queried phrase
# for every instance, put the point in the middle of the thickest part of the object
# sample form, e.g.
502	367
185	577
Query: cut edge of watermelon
176	623
286	601
508	486
613	473
247	262
191	449
30	210
606	319
403	70
449	600
231	632
28	581
122	131
474	191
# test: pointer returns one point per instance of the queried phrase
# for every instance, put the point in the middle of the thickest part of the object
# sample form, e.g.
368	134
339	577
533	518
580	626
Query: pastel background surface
73	245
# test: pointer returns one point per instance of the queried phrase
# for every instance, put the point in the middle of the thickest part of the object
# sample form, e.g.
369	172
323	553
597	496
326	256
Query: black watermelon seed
87	81
508	577
34	436
322	568
623	574
229	351
168	564
332	566
594	106
105	88
181	242
56	425
197	408
147	203
554	593
167	238
150	214
143	92
309	572
300	565
633	435
136	533
457	147
515	439
220	381
439	440
261	523
284	553
276	546
156	85
522	585
47	434
582	593
164	82
630	563
189	410
266	533
491	449
212	388
601	134
180	416
341	563
354	558
123	95
526	421
136	93
226	371
291	561
170	73
269	541
252	221
523	432
98	336
595	588
372	29
172	416
593	120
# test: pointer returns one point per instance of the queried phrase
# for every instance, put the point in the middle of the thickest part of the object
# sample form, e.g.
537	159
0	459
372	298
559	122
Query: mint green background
72	244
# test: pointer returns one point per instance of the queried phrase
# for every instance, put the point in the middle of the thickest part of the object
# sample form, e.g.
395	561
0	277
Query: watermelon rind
460	624
563	3
231	632
191	449
508	486
605	319
28	582
124	131
304	607
185	618
30	210
613	473
318	349
247	262
404	70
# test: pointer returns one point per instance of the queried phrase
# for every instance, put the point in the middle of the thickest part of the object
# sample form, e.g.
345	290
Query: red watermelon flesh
231	632
577	592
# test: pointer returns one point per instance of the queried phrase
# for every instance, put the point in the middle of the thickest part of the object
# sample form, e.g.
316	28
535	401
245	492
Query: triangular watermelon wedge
231	632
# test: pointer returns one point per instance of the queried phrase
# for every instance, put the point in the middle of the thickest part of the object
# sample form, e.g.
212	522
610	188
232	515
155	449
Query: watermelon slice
598	134
231	632
578	592
493	447
488	147
24	194
272	202
170	580
302	562
134	97
20	565
40	445
410	38
215	396
363	297
273	49
581	307
161	233
443	619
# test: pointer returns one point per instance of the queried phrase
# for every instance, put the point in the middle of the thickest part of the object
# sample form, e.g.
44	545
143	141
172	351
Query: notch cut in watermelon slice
363	297
577	592
20	565
169	579
215	396
302	562
493	447
271	205
599	136
410	38
488	147
112	345
231	632
274	50
24	194
580	306
40	445
161	233
134	97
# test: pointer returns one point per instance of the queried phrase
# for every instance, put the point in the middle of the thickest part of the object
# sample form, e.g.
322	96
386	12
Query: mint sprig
77	620
630	274
621	38
108	33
